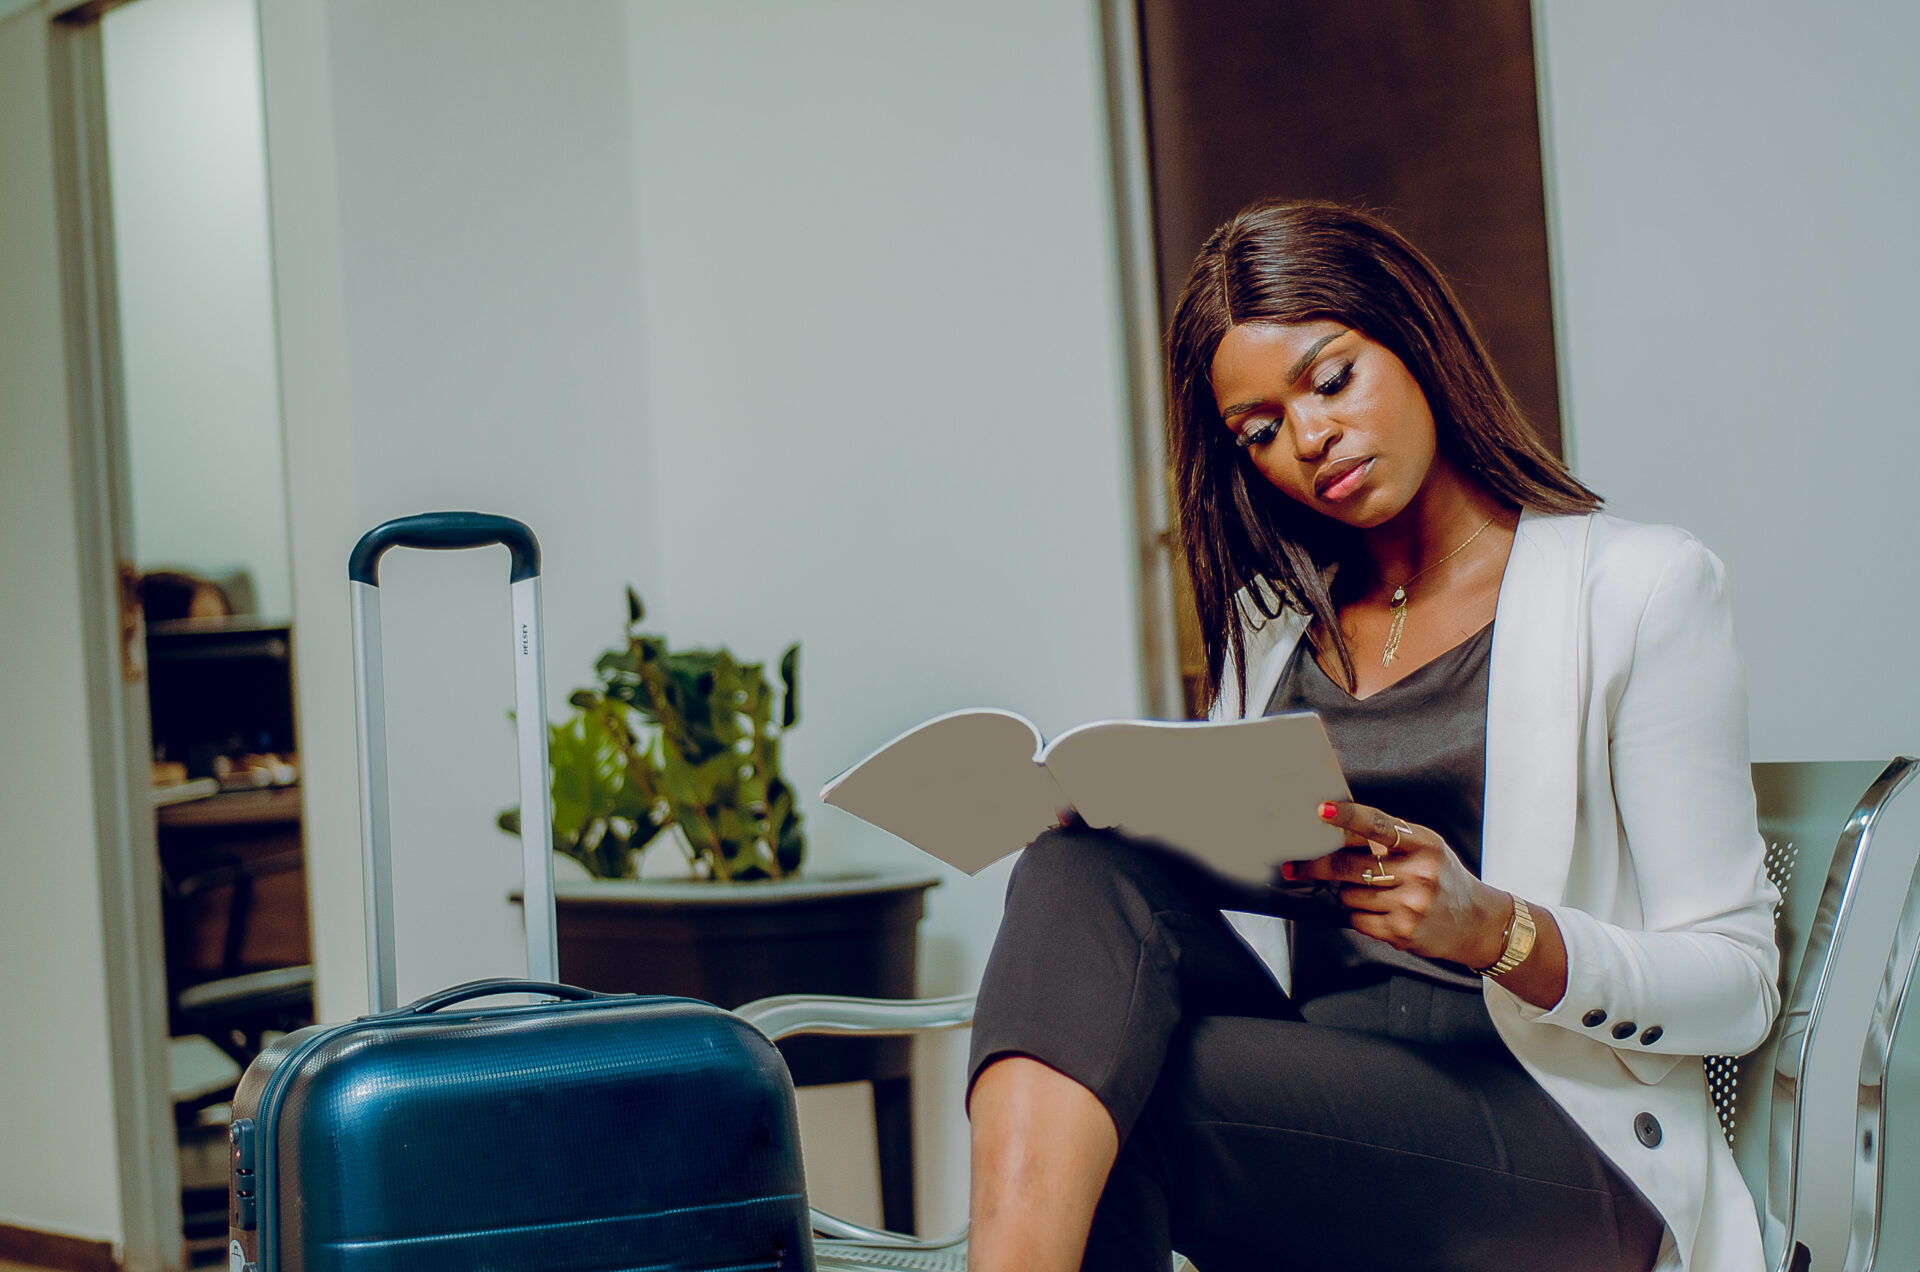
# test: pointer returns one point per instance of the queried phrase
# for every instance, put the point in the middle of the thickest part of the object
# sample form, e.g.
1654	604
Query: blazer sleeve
1700	976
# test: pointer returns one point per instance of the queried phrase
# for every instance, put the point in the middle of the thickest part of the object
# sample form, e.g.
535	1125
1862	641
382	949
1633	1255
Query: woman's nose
1313	432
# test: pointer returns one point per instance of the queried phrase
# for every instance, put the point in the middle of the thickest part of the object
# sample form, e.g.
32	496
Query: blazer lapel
1268	664
1533	698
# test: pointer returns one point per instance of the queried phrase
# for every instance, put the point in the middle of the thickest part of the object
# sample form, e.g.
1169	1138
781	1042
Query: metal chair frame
1812	1147
838	1244
1812	1151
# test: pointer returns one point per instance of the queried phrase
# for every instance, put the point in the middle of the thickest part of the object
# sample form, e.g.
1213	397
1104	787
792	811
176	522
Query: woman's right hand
1434	907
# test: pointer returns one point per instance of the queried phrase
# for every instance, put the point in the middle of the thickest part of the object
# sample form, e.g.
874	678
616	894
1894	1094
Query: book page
1242	797
967	787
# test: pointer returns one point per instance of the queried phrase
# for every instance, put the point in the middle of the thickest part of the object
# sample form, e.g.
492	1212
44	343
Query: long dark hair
1305	262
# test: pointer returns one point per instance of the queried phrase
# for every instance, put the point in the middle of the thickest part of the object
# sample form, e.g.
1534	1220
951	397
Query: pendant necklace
1398	605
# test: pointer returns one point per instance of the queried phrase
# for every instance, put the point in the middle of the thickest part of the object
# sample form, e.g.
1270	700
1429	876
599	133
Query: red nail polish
1287	870
1327	811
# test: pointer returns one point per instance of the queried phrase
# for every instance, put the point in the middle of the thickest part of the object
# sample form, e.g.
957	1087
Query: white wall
188	164
760	309
884	382
1735	185
457	296
57	1165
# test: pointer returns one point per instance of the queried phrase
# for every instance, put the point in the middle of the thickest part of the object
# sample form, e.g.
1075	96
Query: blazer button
1594	1019
1624	1030
1647	1127
1651	1035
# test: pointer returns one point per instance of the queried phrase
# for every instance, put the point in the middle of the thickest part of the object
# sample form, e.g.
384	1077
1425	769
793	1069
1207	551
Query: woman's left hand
1434	906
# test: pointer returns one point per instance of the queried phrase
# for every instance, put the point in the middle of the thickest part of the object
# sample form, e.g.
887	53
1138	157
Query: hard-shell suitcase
589	1134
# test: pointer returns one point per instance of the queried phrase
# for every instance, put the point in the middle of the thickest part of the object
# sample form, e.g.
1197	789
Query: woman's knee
1064	849
1069	862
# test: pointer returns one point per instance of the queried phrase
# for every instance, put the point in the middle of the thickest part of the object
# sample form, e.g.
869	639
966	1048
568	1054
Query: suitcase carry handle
439	531
442	530
489	988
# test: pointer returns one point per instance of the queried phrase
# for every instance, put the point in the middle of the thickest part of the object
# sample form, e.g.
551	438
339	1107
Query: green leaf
790	675
586	772
617	665
733	830
636	809
759	706
675	736
791	848
676	779
716	774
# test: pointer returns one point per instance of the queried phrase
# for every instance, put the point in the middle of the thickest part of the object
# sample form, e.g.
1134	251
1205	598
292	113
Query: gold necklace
1398	605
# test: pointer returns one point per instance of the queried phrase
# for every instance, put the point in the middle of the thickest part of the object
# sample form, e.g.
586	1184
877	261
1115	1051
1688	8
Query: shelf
274	806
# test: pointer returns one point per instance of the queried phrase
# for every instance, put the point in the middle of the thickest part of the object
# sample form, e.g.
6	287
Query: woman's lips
1347	482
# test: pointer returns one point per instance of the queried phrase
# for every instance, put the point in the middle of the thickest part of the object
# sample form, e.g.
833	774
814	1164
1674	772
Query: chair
236	1010
1804	1112
236	1007
231	888
840	1246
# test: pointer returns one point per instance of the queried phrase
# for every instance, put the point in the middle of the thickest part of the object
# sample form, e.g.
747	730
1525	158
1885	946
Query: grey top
1417	750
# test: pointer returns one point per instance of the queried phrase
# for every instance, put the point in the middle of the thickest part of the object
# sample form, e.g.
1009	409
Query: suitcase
578	1132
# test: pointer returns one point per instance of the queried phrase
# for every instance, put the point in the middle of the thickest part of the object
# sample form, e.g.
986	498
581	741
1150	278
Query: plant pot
730	943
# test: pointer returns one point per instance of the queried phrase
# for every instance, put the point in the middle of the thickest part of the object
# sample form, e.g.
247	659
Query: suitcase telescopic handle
444	530
439	531
491	988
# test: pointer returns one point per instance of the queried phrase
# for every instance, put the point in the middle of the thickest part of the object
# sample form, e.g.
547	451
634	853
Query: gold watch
1520	934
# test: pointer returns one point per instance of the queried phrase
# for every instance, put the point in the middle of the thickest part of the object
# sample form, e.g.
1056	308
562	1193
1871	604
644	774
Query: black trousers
1384	1129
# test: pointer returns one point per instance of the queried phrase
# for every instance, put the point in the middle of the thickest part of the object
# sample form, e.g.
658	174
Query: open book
972	786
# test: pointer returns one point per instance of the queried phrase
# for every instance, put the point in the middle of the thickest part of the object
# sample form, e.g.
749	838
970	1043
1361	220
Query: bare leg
1042	1147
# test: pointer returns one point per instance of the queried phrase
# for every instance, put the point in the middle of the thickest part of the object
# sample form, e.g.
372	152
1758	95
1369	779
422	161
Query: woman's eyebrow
1313	351
1293	372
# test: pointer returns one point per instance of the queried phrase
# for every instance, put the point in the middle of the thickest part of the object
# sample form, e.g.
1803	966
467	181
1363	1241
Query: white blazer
1619	798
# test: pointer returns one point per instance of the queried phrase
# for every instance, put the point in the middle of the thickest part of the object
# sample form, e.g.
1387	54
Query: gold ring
1372	880
1397	829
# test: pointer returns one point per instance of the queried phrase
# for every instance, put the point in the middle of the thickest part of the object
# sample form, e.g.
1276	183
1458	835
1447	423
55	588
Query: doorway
169	127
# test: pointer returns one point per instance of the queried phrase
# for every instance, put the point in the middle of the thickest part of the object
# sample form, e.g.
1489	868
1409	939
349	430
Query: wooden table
237	884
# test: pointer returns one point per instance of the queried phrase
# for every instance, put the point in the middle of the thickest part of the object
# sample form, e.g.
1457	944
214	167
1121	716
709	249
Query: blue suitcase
578	1132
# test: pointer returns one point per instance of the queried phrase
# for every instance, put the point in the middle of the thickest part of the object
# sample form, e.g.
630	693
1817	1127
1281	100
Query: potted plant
675	738
683	746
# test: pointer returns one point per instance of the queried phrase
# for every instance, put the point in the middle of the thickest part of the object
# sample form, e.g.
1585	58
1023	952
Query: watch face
1524	932
1520	935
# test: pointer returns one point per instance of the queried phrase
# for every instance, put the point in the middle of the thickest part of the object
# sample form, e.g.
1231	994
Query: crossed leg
1142	1084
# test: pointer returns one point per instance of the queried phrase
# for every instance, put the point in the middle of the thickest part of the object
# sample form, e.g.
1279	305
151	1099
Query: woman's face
1328	416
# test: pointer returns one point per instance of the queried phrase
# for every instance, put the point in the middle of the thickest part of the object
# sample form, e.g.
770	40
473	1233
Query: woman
1553	898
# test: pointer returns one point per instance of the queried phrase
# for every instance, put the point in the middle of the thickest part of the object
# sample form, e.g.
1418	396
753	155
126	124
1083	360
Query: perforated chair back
1804	1112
